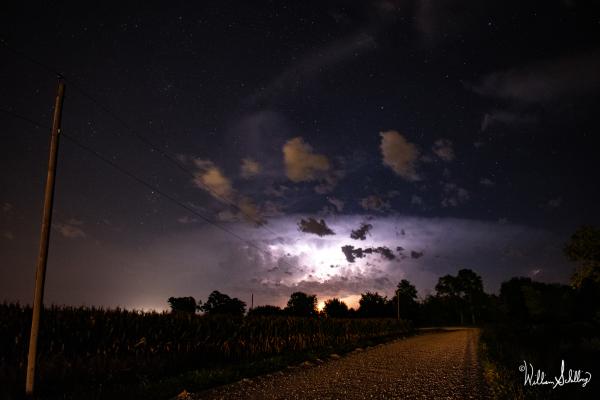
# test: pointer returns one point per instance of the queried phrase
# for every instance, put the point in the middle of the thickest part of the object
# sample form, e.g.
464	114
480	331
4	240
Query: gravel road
435	365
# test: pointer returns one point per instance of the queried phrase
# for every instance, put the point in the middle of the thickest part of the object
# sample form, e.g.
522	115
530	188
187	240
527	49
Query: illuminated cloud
399	154
210	178
443	149
301	163
250	168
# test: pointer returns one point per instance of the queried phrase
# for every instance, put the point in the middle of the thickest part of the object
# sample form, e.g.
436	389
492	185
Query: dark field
100	353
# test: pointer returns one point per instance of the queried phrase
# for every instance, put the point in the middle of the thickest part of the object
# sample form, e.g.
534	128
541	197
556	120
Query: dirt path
440	365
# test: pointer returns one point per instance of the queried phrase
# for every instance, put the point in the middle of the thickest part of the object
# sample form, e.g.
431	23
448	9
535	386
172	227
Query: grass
504	347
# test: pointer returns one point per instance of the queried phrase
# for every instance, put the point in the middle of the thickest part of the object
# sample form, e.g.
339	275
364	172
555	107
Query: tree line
458	299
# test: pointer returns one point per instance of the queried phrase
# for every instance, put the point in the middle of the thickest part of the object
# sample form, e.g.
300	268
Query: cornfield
93	346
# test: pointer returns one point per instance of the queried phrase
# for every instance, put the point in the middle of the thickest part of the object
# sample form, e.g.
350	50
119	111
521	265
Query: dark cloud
416	254
544	81
443	149
337	203
454	195
361	233
353	253
313	63
385	252
374	203
501	117
71	229
486	182
311	225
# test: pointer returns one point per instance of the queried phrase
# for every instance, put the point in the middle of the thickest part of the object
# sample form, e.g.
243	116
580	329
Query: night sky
458	134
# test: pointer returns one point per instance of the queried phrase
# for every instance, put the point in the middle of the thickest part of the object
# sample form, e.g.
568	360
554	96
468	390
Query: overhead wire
135	134
144	183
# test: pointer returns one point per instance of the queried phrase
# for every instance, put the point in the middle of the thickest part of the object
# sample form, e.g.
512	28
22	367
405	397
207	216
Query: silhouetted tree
220	303
182	304
584	248
335	308
266	310
471	291
373	305
448	291
408	300
524	300
301	304
463	292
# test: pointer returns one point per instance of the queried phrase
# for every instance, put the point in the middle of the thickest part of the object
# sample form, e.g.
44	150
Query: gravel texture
435	365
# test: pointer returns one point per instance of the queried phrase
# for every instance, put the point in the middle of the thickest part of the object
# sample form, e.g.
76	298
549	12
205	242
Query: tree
471	290
335	308
584	248
448	291
461	292
266	310
524	300
182	304
220	303
373	305
301	304
407	293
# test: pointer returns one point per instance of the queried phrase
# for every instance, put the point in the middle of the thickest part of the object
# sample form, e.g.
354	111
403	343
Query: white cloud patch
544	81
72	229
374	203
301	163
500	117
250	168
337	203
486	182
453	195
443	149
554	203
416	200
399	154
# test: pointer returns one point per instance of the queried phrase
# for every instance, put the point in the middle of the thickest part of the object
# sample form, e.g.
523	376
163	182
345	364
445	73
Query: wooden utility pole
40	274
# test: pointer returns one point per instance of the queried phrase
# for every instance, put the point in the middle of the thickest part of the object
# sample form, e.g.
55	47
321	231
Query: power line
134	133
23	118
144	183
